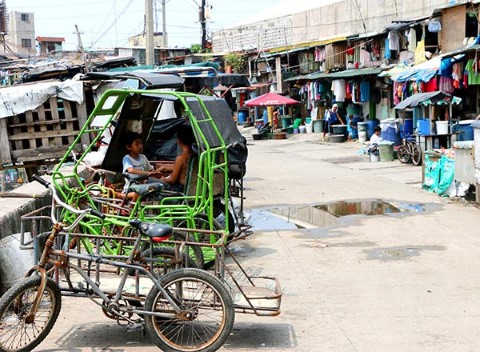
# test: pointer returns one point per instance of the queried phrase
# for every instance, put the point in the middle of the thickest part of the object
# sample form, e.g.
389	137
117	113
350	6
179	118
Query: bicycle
185	310
410	151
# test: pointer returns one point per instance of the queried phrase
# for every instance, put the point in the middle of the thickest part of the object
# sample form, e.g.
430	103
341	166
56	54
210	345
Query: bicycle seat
155	231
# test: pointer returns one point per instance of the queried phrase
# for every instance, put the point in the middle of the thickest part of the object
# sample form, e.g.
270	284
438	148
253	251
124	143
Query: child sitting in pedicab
167	177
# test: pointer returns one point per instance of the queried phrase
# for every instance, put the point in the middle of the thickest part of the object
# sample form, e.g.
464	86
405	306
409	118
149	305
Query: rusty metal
30	318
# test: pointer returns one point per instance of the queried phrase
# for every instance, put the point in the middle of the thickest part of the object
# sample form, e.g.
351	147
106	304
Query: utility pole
164	22
80	48
203	22
149	50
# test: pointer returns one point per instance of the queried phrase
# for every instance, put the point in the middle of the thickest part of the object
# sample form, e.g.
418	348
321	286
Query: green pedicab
206	193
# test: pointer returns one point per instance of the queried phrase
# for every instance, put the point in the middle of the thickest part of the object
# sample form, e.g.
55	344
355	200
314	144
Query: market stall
433	132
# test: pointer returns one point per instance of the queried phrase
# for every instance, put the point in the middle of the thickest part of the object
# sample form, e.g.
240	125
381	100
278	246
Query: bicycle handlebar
56	199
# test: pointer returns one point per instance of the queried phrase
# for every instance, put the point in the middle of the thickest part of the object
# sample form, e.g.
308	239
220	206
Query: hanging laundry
446	85
393	41
457	75
473	71
412	40
339	89
446	67
420	52
431	85
365	91
387	54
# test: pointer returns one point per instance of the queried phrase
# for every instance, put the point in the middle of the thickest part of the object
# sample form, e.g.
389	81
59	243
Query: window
26	43
24	17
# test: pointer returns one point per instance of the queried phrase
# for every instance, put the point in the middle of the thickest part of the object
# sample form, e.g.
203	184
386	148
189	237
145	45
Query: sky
109	23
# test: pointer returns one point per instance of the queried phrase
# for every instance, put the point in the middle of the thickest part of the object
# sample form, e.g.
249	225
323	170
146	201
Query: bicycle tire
167	260
416	155
14	307
403	154
206	297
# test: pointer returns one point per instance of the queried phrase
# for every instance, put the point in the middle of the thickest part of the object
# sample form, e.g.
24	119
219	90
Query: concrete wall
341	18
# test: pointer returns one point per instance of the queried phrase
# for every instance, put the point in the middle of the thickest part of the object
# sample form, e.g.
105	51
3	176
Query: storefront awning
429	98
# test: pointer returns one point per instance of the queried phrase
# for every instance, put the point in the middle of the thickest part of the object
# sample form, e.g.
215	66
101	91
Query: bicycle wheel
403	154
416	155
207	312
166	261
16	332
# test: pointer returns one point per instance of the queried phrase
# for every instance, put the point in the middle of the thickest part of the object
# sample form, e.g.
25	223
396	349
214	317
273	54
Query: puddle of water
364	207
315	216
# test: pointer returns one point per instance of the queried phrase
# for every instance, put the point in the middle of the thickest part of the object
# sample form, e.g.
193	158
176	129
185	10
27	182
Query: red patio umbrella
270	99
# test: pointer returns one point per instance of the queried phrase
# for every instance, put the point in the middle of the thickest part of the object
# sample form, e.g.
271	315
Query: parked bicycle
185	310
410	151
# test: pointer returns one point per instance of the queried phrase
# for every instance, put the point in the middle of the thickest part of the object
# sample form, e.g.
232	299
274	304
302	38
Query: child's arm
176	170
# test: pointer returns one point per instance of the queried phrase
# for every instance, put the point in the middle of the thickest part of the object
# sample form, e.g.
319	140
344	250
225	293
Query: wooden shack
43	134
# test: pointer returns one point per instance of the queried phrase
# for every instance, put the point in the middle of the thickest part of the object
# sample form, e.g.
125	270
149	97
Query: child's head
377	130
185	135
133	142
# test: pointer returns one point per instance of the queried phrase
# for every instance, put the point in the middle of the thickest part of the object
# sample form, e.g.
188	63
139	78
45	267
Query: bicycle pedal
136	327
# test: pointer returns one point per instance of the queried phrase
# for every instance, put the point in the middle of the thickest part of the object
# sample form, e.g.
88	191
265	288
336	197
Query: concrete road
406	281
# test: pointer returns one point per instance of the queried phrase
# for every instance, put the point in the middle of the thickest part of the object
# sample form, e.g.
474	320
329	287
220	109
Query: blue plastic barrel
464	130
371	124
406	128
392	135
242	117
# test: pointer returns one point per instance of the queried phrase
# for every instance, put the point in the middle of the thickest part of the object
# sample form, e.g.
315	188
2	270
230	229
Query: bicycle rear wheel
403	154
416	155
17	333
207	312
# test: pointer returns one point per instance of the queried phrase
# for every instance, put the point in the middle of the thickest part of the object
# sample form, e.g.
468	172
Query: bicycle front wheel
17	331
206	317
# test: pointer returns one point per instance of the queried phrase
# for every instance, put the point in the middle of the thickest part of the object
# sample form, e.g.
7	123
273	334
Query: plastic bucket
302	129
309	127
340	129
318	126
465	130
371	124
286	121
362	127
386	151
442	127
362	136
374	157
14	262
423	126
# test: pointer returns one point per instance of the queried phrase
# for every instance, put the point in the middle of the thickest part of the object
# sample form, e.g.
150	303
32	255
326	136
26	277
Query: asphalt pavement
393	281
